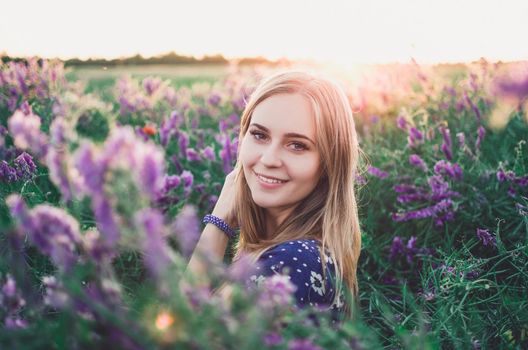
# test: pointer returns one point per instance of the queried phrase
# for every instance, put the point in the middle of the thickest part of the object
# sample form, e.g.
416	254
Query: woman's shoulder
307	248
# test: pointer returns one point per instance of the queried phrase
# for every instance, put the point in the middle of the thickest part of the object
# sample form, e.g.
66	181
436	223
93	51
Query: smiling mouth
270	180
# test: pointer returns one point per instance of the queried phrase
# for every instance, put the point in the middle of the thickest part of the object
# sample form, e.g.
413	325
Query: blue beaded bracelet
221	224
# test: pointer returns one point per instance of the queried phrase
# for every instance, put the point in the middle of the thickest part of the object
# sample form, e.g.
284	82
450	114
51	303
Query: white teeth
270	181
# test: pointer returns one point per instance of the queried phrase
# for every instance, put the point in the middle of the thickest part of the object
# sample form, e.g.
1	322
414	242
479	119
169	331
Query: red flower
149	130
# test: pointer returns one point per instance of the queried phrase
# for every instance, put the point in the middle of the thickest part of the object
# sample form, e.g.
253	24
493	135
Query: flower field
102	187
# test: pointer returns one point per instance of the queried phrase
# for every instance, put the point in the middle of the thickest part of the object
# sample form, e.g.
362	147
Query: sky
338	31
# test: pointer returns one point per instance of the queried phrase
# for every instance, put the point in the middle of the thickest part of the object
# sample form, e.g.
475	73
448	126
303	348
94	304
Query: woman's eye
299	146
257	135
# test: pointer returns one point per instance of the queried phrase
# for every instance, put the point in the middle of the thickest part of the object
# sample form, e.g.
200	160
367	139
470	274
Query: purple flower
438	184
158	255
214	99
151	169
521	180
183	142
192	155
277	291
58	171
404	188
302	344
25	130
273	338
187	229
242	269
401	122
443	167
418	162
473	106
415	137
171	182
447	151
504	176
377	172
226	155
55	295
50	229
446	135
7	173
187	178
208	153
25	167
15	323
168	127
396	248
431	211
485	237
106	219
412	197
151	85
360	180
481	132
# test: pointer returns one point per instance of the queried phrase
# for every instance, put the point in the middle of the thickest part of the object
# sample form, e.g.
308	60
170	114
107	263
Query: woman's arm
213	241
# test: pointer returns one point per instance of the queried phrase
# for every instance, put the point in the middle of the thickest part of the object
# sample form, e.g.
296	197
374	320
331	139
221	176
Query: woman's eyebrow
290	134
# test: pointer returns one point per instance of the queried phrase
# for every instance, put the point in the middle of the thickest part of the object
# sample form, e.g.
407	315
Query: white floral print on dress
317	283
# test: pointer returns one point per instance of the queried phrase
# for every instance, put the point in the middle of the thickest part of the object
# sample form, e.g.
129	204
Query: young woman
292	193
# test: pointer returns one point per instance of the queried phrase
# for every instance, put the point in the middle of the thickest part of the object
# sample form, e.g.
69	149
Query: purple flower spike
401	123
418	162
151	170
187	229
415	137
214	99
157	253
397	247
25	167
208	153
106	220
278	291
273	338
50	229
183	142
446	135
242	269
25	130
447	151
481	132
192	155
485	237
169	127
7	173
438	184
187	178
445	168
226	155
377	172
473	106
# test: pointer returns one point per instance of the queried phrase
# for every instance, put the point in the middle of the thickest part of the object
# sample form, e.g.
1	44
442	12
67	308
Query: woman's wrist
220	223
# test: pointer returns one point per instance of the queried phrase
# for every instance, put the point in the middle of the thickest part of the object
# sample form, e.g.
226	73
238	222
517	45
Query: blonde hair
329	213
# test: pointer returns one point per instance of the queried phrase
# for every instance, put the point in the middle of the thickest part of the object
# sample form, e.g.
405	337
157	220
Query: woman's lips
269	182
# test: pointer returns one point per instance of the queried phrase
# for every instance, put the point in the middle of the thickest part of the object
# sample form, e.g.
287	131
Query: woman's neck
274	218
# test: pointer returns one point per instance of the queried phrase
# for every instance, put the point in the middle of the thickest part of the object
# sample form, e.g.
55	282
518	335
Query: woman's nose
270	157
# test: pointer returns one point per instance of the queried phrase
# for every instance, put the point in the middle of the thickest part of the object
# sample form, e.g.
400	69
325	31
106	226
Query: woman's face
279	156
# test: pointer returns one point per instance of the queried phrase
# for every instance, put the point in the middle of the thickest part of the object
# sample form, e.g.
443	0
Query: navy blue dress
301	261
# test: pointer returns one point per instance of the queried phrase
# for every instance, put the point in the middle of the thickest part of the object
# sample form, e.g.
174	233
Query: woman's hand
225	206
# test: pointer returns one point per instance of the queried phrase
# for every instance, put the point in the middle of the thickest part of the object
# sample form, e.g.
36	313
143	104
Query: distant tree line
169	59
